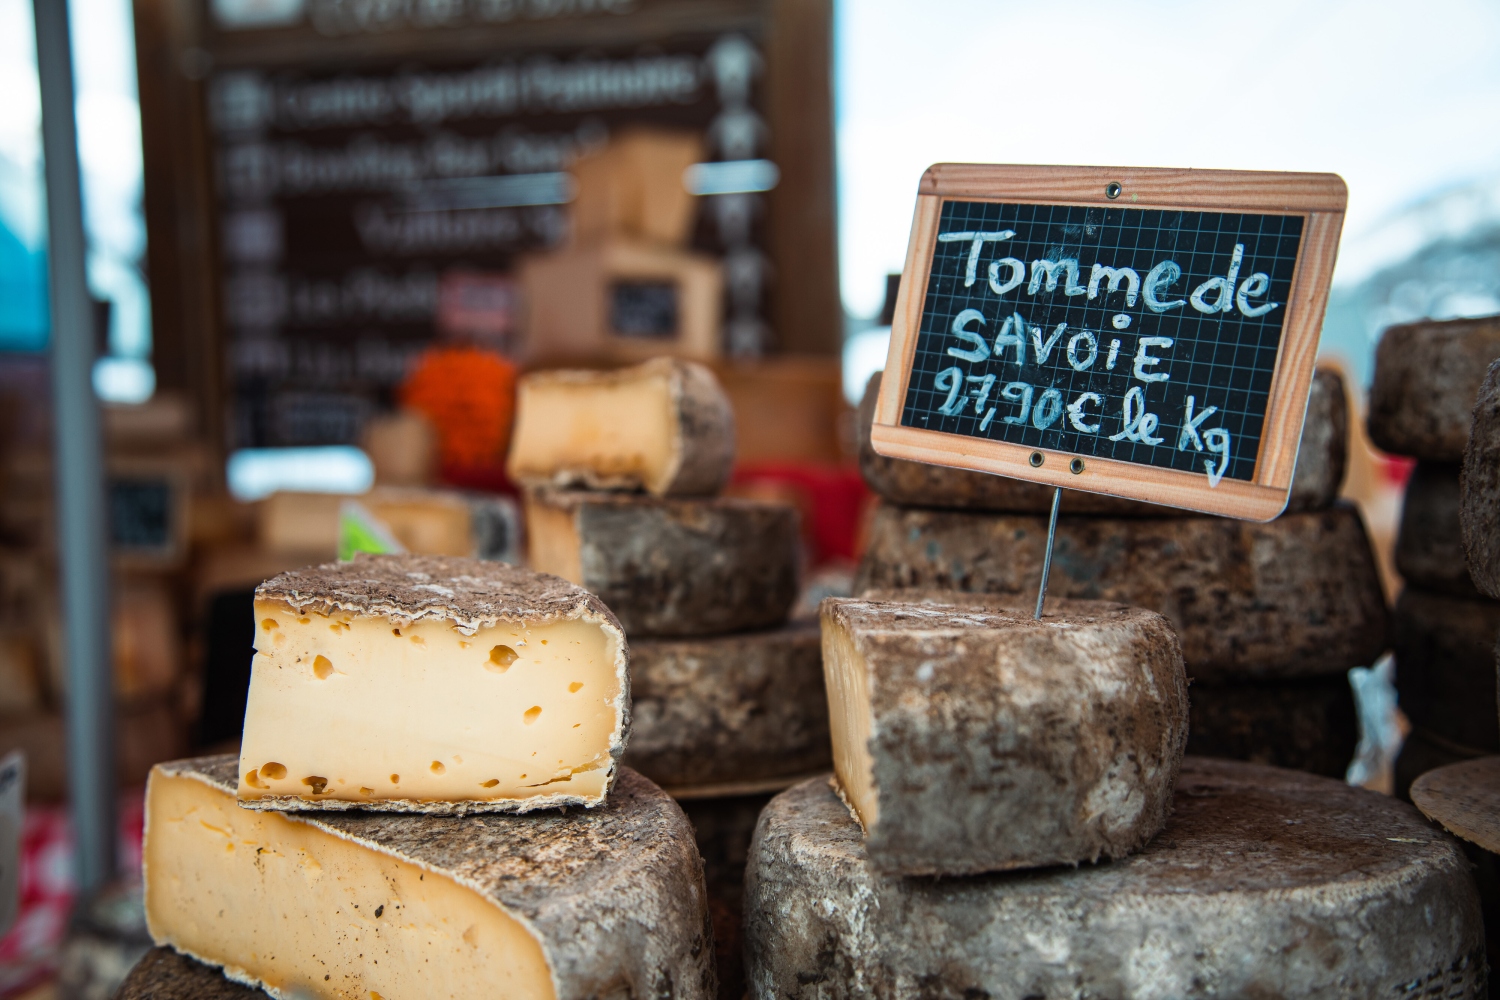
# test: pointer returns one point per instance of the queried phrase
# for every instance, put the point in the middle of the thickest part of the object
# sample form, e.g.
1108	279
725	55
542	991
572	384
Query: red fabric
28	953
832	498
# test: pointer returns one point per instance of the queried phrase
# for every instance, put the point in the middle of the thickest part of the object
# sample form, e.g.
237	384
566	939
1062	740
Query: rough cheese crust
163	974
1321	459
997	741
729	710
1480	501
470	593
702	441
1265	883
1427	376
607	919
1445	667
1429	545
1295	597
680	566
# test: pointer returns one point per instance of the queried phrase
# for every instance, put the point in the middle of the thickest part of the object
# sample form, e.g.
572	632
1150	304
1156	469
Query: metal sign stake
1041	592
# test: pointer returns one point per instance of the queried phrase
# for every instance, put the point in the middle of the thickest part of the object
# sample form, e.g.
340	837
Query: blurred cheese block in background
665	427
562	904
671	567
425	684
968	737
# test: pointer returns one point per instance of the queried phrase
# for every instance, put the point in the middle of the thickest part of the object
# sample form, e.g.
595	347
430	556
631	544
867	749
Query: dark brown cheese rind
1305	723
729	710
1315	483
614	894
1429	545
998	741
163	974
1265	883
471	593
690	566
1480	516
1295	597
1445	666
1427	376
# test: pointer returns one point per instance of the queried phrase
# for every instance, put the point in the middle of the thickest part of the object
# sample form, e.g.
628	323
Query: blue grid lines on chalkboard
1142	335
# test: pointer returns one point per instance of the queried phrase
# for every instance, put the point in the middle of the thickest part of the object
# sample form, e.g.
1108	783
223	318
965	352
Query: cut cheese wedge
558	905
665	427
431	684
971	738
671	566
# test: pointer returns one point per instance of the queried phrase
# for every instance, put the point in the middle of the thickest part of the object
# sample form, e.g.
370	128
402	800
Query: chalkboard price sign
1143	333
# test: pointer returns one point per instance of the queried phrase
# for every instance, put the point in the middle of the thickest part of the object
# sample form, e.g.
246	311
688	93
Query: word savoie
1218	294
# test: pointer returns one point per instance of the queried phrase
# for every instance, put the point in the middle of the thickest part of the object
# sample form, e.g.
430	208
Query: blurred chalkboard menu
377	168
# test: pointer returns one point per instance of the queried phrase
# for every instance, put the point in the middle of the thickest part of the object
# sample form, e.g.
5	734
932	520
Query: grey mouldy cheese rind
684	445
1480	516
1295	597
163	974
671	566
1305	723
395	683
744	711
573	904
968	737
1315	484
1427	375
1429	544
1445	667
1264	883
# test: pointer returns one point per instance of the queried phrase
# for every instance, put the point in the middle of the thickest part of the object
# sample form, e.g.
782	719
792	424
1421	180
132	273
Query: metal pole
1041	593
77	458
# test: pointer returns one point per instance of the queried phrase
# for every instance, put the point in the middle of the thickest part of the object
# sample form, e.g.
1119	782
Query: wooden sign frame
1319	198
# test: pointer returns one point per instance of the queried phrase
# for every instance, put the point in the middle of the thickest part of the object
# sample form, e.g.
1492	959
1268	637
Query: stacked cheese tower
623	471
1006	755
1271	616
1427	376
428	802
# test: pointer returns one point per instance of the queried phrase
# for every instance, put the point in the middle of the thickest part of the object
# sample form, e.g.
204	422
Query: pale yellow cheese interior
305	912
846	676
622	431
552	543
359	708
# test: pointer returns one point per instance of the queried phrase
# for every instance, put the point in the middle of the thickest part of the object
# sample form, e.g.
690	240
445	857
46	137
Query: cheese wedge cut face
665	427
304	912
393	701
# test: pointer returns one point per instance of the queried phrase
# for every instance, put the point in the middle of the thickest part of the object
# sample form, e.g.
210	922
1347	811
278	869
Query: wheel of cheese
723	828
1427	376
1265	883
1445	667
671	567
1304	723
1423	751
729	714
162	974
568	904
1429	545
1321	460
1295	597
1480	492
971	737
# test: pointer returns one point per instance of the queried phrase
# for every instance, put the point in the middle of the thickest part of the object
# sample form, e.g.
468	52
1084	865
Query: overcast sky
1401	99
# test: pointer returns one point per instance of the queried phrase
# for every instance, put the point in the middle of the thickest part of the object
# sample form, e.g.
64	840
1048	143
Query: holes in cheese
273	771
413	719
664	426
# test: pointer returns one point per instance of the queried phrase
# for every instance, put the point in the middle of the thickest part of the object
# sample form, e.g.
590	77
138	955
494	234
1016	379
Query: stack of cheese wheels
985	761
623	471
1427	378
398	822
1270	616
